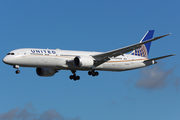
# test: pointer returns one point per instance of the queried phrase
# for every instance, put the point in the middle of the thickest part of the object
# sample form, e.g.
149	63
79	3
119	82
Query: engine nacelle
83	61
46	72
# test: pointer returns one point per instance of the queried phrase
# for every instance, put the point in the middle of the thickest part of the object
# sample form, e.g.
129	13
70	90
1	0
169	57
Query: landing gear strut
93	73
74	77
17	67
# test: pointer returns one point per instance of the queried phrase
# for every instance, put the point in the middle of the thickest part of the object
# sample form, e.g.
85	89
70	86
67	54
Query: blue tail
143	51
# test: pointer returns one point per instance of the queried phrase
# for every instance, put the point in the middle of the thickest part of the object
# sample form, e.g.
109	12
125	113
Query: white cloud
51	115
156	78
29	113
10	115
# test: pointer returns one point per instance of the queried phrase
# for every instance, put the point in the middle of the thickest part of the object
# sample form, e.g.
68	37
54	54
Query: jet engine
46	72
83	61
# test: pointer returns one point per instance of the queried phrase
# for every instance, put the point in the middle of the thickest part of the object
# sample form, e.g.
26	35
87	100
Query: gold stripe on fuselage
72	58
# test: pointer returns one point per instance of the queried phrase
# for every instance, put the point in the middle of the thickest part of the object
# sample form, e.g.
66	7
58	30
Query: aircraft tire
77	77
89	73
71	77
93	74
96	73
17	71
74	77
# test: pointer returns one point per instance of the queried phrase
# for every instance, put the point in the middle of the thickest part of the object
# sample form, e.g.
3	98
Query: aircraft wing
104	57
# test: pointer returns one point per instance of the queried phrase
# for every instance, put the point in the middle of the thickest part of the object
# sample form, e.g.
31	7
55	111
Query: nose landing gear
17	67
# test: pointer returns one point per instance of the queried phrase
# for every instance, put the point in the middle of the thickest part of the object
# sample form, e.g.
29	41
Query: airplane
49	61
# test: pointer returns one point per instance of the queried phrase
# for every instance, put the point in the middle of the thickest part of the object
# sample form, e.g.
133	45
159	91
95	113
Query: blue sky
96	25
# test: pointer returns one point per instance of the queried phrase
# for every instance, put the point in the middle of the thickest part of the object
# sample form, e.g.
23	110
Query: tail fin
143	51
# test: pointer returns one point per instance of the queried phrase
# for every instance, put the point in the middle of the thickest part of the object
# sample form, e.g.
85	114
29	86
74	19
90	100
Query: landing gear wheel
17	71
71	77
96	73
77	77
89	73
74	77
93	73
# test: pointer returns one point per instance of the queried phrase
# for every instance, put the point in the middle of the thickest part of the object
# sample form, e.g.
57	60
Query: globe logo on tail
142	51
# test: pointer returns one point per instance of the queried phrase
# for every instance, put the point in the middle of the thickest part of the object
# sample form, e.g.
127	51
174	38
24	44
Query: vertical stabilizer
143	51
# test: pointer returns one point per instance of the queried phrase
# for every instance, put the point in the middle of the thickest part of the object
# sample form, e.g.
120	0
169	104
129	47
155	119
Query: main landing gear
74	77
17	67
93	73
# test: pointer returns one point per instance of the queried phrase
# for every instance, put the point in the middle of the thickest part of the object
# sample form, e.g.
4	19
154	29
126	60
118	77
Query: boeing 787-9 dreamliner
49	61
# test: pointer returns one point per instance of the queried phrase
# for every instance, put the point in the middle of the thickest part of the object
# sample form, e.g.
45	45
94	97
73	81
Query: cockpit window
10	54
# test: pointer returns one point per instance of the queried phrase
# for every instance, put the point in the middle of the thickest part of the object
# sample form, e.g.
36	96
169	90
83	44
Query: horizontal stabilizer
160	57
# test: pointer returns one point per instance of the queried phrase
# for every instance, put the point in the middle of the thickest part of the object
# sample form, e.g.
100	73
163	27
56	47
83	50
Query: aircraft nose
5	60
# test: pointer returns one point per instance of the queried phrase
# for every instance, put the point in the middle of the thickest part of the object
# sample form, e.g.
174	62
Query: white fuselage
49	61
61	60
